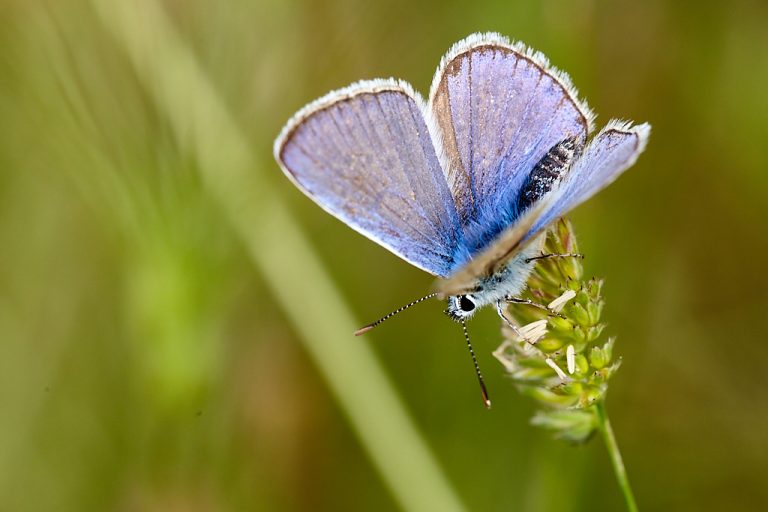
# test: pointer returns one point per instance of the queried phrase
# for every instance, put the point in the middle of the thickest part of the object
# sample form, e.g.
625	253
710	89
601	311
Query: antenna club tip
363	330
487	403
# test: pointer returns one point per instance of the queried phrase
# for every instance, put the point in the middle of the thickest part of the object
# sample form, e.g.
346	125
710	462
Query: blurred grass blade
281	253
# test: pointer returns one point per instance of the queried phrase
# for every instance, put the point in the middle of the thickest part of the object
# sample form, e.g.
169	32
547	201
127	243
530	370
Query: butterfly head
461	307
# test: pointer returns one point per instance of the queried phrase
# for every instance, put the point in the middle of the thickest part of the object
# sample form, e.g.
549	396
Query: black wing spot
548	172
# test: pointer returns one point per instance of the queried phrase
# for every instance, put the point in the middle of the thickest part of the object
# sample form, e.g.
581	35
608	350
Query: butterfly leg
515	300
530	336
507	321
549	256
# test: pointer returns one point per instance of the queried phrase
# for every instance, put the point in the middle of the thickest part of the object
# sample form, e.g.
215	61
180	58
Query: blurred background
175	317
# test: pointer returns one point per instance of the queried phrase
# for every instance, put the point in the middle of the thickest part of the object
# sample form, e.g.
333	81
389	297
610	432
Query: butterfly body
505	283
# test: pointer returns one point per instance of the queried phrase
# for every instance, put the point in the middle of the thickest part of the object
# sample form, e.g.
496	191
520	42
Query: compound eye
465	303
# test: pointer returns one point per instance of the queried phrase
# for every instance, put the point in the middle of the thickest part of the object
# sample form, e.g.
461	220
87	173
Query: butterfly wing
610	153
498	107
493	257
366	155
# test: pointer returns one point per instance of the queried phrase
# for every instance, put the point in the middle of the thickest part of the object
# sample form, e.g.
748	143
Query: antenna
368	327
486	400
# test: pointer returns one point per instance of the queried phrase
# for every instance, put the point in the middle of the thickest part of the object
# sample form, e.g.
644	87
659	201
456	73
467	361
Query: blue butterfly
464	184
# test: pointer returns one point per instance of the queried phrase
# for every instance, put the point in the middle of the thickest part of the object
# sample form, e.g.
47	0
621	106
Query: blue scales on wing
608	154
366	155
500	108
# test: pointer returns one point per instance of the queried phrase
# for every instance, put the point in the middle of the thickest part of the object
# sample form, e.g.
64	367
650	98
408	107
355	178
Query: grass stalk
280	252
604	425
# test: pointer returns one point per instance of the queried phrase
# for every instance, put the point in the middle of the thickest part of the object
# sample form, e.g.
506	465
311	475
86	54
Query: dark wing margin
366	155
498	108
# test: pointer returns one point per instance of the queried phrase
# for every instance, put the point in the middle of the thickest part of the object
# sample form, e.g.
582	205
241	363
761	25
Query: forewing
609	154
499	107
366	156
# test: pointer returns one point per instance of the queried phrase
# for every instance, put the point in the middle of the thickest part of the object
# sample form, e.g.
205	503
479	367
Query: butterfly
464	184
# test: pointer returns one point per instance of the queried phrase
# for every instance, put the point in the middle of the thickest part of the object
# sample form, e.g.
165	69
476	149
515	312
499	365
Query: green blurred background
175	318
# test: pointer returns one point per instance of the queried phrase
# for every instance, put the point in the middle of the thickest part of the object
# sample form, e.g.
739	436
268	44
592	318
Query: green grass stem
604	425
280	252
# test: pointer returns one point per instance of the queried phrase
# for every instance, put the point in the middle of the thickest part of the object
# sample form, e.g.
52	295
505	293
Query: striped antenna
483	390
368	327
